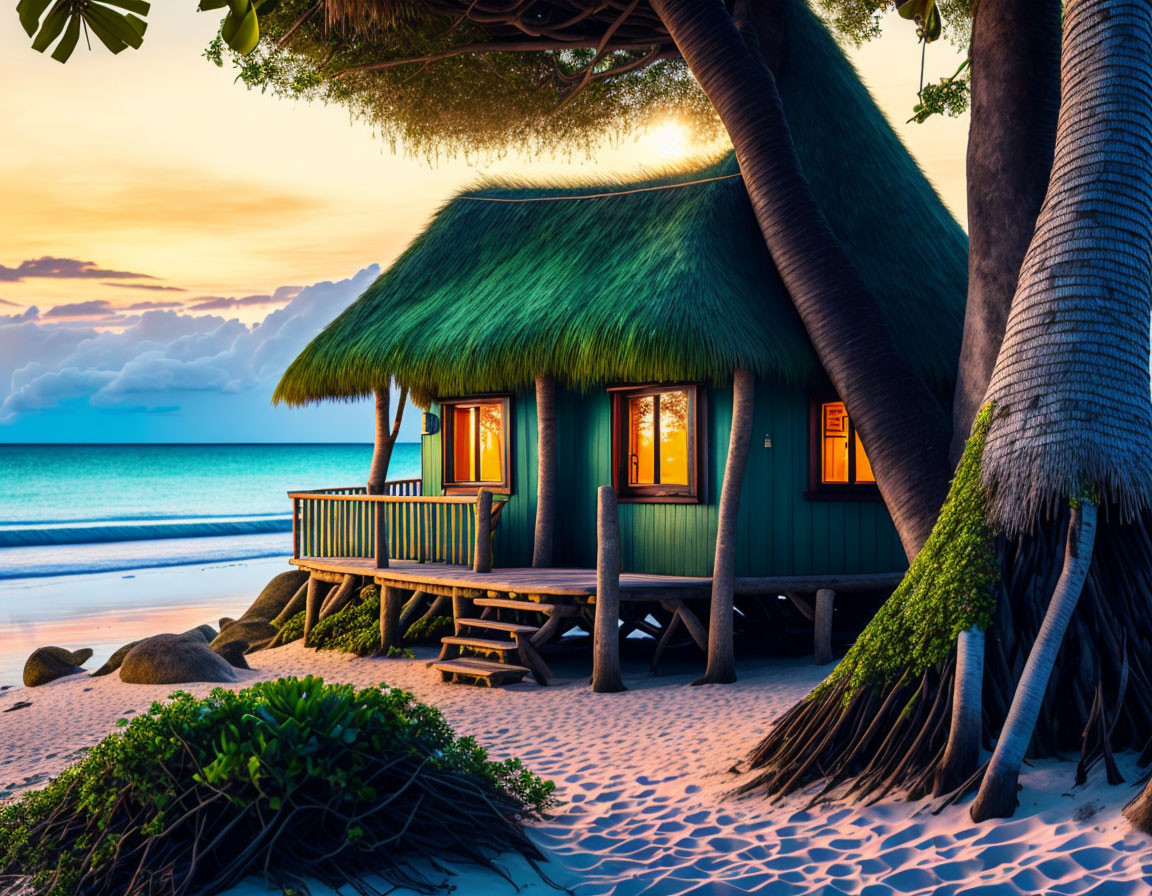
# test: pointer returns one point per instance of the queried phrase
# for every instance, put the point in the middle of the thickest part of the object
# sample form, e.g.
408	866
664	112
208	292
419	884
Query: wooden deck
444	578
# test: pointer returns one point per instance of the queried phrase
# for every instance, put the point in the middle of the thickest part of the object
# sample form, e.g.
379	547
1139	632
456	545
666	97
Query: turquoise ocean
103	542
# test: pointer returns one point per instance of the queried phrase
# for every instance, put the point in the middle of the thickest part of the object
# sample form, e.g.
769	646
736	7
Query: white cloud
163	357
52	388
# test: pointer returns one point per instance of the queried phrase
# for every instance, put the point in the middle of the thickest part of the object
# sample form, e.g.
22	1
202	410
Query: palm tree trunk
1071	387
1011	139
606	674
721	668
902	427
546	471
997	796
387	431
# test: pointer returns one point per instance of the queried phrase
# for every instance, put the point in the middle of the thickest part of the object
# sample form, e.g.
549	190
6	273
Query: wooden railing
342	523
398	487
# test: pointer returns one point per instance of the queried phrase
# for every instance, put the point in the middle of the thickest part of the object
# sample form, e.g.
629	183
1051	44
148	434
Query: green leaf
206	5
50	29
30	12
68	42
138	25
140	7
933	25
924	13
914	10
241	32
119	24
104	24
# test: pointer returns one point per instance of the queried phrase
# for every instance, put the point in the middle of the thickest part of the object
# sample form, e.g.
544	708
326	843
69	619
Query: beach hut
565	337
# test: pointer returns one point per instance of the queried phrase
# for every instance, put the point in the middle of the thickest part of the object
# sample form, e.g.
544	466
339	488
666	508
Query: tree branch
312	10
534	46
604	41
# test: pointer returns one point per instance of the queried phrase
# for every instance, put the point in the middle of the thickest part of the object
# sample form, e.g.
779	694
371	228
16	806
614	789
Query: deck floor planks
522	580
442	578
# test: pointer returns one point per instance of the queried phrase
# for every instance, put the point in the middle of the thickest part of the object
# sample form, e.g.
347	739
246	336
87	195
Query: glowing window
842	459
475	442
656	445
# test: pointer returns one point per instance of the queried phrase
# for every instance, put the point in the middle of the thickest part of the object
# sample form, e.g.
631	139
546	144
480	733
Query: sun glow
669	140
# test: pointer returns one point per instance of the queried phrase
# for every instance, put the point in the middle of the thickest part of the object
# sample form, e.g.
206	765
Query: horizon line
180	444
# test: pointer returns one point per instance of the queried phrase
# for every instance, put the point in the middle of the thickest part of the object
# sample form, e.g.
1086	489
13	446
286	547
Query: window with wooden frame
839	466
656	442
476	444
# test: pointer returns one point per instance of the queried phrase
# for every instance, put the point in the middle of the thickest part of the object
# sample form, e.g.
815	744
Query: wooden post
381	535
295	529
459	607
339	598
311	606
546	471
665	640
606	677
530	658
482	559
390	600
412	610
721	667
822	637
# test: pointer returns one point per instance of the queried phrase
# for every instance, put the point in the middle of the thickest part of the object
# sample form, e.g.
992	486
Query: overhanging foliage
637	284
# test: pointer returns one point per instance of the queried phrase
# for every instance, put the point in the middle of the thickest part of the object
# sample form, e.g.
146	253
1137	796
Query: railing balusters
350	523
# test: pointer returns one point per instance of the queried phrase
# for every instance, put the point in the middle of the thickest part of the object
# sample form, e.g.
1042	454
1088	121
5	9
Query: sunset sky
151	182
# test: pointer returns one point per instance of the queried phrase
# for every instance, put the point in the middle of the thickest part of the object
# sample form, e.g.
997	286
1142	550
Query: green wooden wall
781	533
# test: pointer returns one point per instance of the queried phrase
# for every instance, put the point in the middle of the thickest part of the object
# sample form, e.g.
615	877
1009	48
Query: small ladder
491	651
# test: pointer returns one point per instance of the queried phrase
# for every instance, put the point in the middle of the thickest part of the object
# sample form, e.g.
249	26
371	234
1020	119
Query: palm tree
1071	385
1069	415
721	668
1015	101
387	430
546	471
906	440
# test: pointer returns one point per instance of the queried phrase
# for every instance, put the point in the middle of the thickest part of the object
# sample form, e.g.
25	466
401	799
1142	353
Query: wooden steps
476	653
475	671
501	603
481	644
512	628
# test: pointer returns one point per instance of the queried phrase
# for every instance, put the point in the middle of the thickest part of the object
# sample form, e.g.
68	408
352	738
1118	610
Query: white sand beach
106	609
642	778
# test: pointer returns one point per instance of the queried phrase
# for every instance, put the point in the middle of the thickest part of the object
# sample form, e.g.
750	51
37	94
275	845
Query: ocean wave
53	522
125	556
102	531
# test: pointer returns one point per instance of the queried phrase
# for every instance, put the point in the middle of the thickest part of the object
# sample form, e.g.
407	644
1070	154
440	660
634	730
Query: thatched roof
656	280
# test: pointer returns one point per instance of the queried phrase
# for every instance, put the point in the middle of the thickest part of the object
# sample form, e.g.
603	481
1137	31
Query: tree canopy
434	81
450	76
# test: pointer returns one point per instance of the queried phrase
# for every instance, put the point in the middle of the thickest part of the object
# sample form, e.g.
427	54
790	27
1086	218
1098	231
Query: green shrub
355	629
947	589
291	778
431	630
293	628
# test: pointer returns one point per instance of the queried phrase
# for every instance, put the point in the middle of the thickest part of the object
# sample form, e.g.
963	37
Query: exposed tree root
892	735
